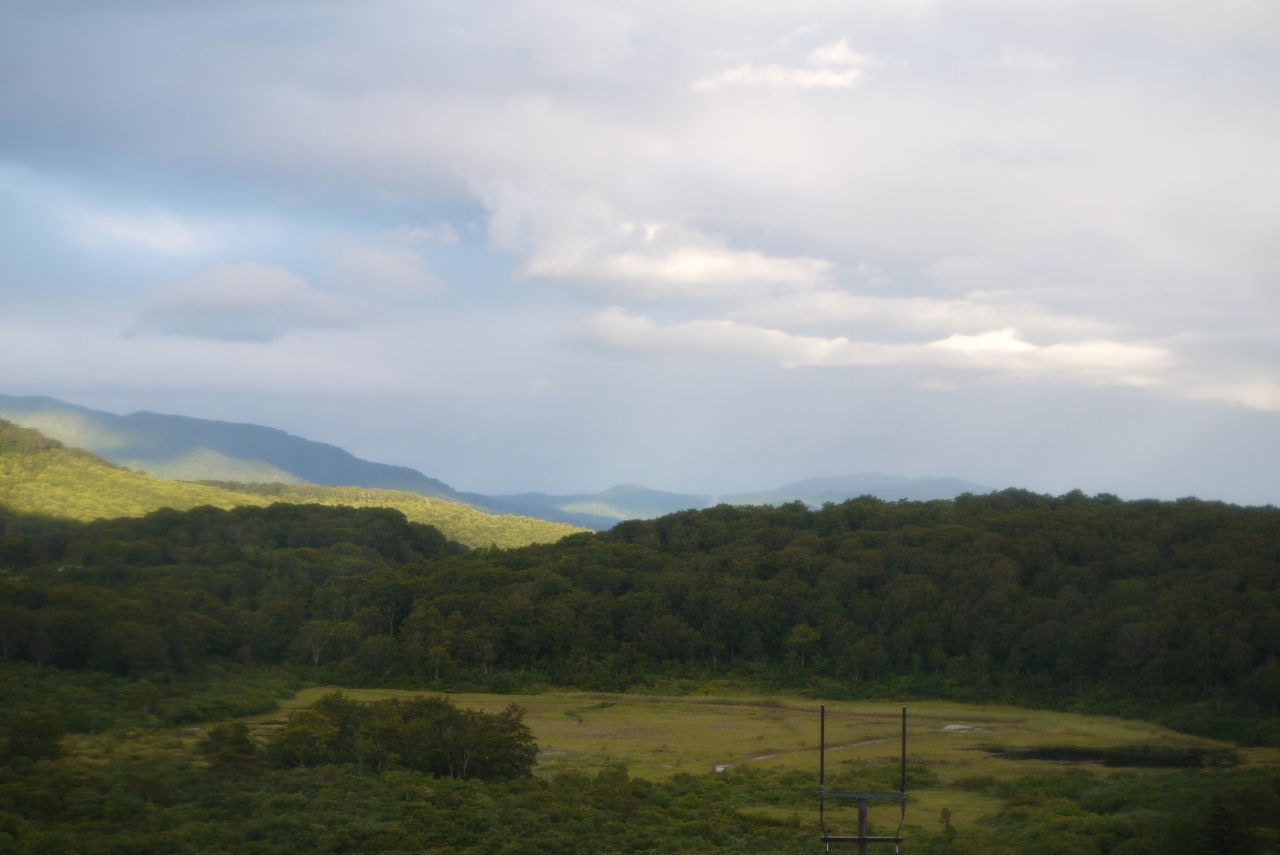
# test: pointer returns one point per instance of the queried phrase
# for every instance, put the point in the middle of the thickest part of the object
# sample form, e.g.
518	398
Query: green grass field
995	804
658	737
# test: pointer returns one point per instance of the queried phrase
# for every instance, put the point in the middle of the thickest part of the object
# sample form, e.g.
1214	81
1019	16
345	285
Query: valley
189	449
1079	670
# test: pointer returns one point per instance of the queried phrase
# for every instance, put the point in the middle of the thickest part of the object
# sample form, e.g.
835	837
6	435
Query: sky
703	246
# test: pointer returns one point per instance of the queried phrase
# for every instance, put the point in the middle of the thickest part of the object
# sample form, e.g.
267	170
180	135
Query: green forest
1167	611
1140	608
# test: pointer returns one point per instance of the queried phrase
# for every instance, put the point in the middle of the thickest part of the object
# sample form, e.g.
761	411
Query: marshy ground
661	736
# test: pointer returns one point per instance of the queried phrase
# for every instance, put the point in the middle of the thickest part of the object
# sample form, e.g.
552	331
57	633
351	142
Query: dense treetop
1169	609
1010	595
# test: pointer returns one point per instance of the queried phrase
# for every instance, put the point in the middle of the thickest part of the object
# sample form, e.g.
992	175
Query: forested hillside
40	476
1166	609
460	522
127	632
816	492
181	447
191	449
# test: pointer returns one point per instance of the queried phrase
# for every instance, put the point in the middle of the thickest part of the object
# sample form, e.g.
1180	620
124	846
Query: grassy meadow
129	782
659	737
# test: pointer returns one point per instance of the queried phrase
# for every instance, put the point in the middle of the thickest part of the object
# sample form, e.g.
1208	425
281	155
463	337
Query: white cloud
666	259
246	301
1096	361
580	240
839	53
1003	353
780	77
840	67
836	309
722	339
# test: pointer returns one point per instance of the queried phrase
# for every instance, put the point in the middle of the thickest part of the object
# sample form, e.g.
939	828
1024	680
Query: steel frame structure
863	799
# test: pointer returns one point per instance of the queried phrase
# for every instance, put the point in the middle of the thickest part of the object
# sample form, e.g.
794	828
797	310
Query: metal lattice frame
863	799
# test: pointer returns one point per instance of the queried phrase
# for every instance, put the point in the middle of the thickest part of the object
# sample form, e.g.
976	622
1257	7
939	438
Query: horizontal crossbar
862	840
825	795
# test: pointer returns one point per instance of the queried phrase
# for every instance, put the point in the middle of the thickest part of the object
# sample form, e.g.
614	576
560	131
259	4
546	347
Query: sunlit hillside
39	475
459	522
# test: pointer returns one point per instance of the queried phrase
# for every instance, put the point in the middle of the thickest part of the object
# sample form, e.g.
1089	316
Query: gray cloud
247	301
387	270
920	199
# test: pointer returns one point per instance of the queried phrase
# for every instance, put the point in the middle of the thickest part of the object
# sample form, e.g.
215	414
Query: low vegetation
325	776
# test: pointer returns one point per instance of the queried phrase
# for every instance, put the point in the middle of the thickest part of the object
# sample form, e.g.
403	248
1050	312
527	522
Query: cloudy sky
704	246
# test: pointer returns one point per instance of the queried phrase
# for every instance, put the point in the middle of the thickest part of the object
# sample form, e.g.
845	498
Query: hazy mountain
202	449
39	475
632	501
815	491
602	510
188	449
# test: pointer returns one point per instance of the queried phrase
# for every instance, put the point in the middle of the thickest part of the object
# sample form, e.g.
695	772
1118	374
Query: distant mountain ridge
152	442
623	502
39	475
815	491
190	449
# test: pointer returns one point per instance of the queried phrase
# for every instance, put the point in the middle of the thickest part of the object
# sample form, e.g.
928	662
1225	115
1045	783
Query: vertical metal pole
822	746
862	827
822	769
903	816
904	750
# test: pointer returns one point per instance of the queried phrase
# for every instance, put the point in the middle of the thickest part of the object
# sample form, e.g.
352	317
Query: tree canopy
1136	605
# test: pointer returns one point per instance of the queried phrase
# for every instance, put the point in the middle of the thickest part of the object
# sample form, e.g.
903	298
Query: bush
37	736
974	782
431	735
229	746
